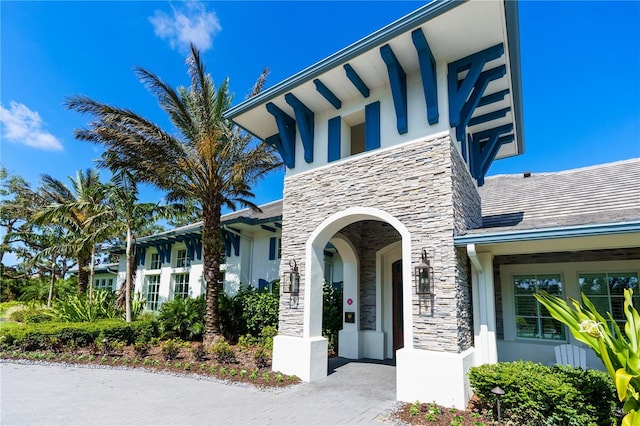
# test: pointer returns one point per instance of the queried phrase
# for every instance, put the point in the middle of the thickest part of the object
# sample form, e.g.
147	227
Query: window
155	261
606	292
533	321
103	284
357	139
182	260
181	286
153	290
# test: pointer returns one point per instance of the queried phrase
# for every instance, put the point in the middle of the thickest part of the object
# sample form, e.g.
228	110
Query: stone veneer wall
557	257
417	184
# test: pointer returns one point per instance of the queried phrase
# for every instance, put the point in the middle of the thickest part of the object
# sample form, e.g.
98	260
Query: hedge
41	336
539	395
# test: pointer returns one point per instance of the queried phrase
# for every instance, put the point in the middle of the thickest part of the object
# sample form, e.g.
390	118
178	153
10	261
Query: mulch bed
242	370
436	415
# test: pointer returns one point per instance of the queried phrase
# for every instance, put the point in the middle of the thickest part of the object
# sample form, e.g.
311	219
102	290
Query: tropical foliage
618	350
210	161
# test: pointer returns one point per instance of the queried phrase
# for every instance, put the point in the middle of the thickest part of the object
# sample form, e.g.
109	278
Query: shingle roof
606	193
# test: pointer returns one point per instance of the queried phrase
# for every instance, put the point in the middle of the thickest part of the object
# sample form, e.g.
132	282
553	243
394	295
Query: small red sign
349	301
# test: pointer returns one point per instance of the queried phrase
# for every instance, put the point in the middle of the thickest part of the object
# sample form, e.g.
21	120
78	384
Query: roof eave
548	233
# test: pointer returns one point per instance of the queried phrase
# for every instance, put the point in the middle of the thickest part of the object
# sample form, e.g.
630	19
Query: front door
396	282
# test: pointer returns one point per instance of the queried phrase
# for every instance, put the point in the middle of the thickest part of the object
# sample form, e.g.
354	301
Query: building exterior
387	143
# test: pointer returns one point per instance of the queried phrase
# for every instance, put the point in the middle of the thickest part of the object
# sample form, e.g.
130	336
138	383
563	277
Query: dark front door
396	282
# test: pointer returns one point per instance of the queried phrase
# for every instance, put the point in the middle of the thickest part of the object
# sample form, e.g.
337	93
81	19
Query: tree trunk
91	272
53	279
127	281
83	273
212	250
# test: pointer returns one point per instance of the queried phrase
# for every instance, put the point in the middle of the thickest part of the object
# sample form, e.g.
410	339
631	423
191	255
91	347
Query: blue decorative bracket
356	80
465	95
328	94
194	247
493	115
398	82
141	254
484	148
231	241
164	252
286	142
304	118
428	74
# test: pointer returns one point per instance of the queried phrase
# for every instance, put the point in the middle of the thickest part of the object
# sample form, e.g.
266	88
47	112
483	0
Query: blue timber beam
164	252
398	82
327	94
356	80
492	98
268	228
194	247
484	148
493	115
231	240
286	143
468	107
428	74
305	120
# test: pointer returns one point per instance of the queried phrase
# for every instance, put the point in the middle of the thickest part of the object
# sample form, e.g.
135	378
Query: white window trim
569	273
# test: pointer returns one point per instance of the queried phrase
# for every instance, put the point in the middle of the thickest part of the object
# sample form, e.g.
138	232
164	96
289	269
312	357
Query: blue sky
580	68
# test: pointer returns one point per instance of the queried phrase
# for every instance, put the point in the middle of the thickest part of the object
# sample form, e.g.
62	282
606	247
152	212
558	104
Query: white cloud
21	125
191	23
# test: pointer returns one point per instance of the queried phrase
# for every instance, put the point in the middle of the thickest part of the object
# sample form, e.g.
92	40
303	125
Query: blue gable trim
398	82
356	80
428	75
485	146
305	119
194	247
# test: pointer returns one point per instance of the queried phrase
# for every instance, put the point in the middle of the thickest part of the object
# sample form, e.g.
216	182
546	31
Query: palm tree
129	218
80	209
209	161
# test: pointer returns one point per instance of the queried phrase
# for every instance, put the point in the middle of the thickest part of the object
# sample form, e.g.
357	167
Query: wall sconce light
423	273
292	282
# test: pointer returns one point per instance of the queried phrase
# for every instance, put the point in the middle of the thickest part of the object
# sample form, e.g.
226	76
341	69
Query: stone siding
415	183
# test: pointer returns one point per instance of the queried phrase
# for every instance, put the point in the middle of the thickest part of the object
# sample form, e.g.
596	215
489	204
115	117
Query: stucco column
484	310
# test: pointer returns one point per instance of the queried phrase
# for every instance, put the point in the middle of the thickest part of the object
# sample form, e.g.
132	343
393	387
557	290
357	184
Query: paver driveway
354	393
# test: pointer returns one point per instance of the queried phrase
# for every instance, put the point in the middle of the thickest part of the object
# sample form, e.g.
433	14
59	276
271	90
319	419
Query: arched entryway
370	243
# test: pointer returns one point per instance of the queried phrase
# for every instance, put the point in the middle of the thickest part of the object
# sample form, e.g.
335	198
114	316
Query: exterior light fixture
292	281
497	391
423	275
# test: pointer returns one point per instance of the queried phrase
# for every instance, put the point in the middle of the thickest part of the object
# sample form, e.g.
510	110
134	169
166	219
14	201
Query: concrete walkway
353	393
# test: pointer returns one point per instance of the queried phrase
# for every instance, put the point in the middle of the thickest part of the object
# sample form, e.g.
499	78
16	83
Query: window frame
152	305
184	292
154	260
539	317
182	261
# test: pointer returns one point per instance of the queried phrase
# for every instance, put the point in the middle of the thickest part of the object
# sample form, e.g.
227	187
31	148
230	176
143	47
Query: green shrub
171	348
259	310
331	313
248	312
39	336
267	335
76	308
199	352
223	353
262	358
30	313
539	395
183	318
141	348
